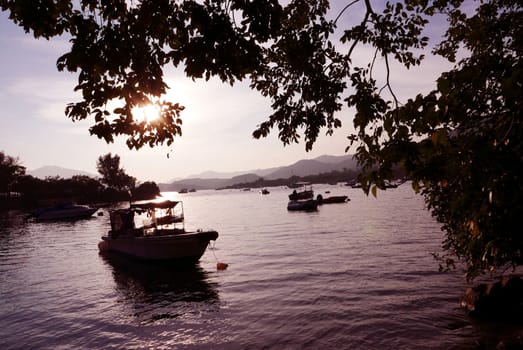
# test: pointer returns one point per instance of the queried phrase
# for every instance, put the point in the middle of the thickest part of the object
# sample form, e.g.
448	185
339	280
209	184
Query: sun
148	113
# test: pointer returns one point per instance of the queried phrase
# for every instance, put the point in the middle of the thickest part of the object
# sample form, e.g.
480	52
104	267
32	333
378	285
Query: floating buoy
221	266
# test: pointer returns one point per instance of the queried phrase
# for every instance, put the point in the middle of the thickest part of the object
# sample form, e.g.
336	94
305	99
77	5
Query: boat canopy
147	205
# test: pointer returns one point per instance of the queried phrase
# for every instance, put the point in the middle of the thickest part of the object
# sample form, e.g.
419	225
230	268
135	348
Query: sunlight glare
148	113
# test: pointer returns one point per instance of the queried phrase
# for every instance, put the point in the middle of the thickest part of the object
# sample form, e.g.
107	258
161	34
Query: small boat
303	205
305	191
64	211
332	199
161	237
264	191
302	199
183	190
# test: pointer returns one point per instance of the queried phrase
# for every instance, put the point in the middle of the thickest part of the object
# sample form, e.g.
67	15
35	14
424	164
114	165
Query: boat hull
332	199
78	212
188	246
303	205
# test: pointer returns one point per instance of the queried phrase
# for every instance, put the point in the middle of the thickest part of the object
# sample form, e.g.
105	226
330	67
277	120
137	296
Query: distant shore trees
18	189
461	143
10	171
112	175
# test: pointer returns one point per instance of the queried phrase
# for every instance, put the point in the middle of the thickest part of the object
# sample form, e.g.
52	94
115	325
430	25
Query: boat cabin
302	190
148	218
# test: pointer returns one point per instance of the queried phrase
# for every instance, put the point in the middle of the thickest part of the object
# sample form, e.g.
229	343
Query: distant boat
64	211
192	190
264	191
183	190
164	238
305	191
332	199
394	183
302	199
303	205
391	184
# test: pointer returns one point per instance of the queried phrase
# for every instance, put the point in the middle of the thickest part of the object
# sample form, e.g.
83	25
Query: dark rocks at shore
502	300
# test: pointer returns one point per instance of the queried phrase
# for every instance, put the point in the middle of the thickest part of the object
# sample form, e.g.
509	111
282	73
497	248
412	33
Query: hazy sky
217	123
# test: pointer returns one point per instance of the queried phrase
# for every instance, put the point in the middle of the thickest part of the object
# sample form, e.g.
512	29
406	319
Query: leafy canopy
10	171
460	143
112	175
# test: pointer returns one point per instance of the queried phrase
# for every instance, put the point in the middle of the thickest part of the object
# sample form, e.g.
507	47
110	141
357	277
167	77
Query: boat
264	191
64	211
303	190
332	199
162	236
302	199
302	205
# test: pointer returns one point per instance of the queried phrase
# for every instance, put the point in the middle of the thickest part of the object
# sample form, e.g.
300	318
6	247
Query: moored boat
64	211
303	205
302	199
303	190
332	199
163	237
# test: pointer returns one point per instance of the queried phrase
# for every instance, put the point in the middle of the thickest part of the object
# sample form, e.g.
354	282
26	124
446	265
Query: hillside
303	168
53	171
307	167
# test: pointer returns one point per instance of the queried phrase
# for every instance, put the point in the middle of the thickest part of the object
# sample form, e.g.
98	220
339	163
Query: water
358	275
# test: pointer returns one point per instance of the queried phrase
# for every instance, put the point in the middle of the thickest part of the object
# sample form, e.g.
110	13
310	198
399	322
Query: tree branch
344	9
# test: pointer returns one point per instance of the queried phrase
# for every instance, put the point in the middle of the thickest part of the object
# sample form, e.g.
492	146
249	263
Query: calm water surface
358	275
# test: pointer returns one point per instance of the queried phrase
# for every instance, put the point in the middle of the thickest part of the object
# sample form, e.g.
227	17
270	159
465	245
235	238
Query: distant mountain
229	175
194	183
333	159
205	184
302	168
216	175
52	171
306	167
240	179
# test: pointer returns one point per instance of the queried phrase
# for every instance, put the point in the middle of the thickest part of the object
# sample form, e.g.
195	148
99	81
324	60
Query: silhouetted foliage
10	171
33	191
146	190
460	144
112	175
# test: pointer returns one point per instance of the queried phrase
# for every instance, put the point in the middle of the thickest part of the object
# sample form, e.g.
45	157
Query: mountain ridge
301	168
53	170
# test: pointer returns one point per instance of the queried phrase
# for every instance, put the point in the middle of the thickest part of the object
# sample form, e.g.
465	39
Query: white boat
64	211
161	237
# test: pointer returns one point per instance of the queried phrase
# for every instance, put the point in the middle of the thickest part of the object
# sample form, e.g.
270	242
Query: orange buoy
221	266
